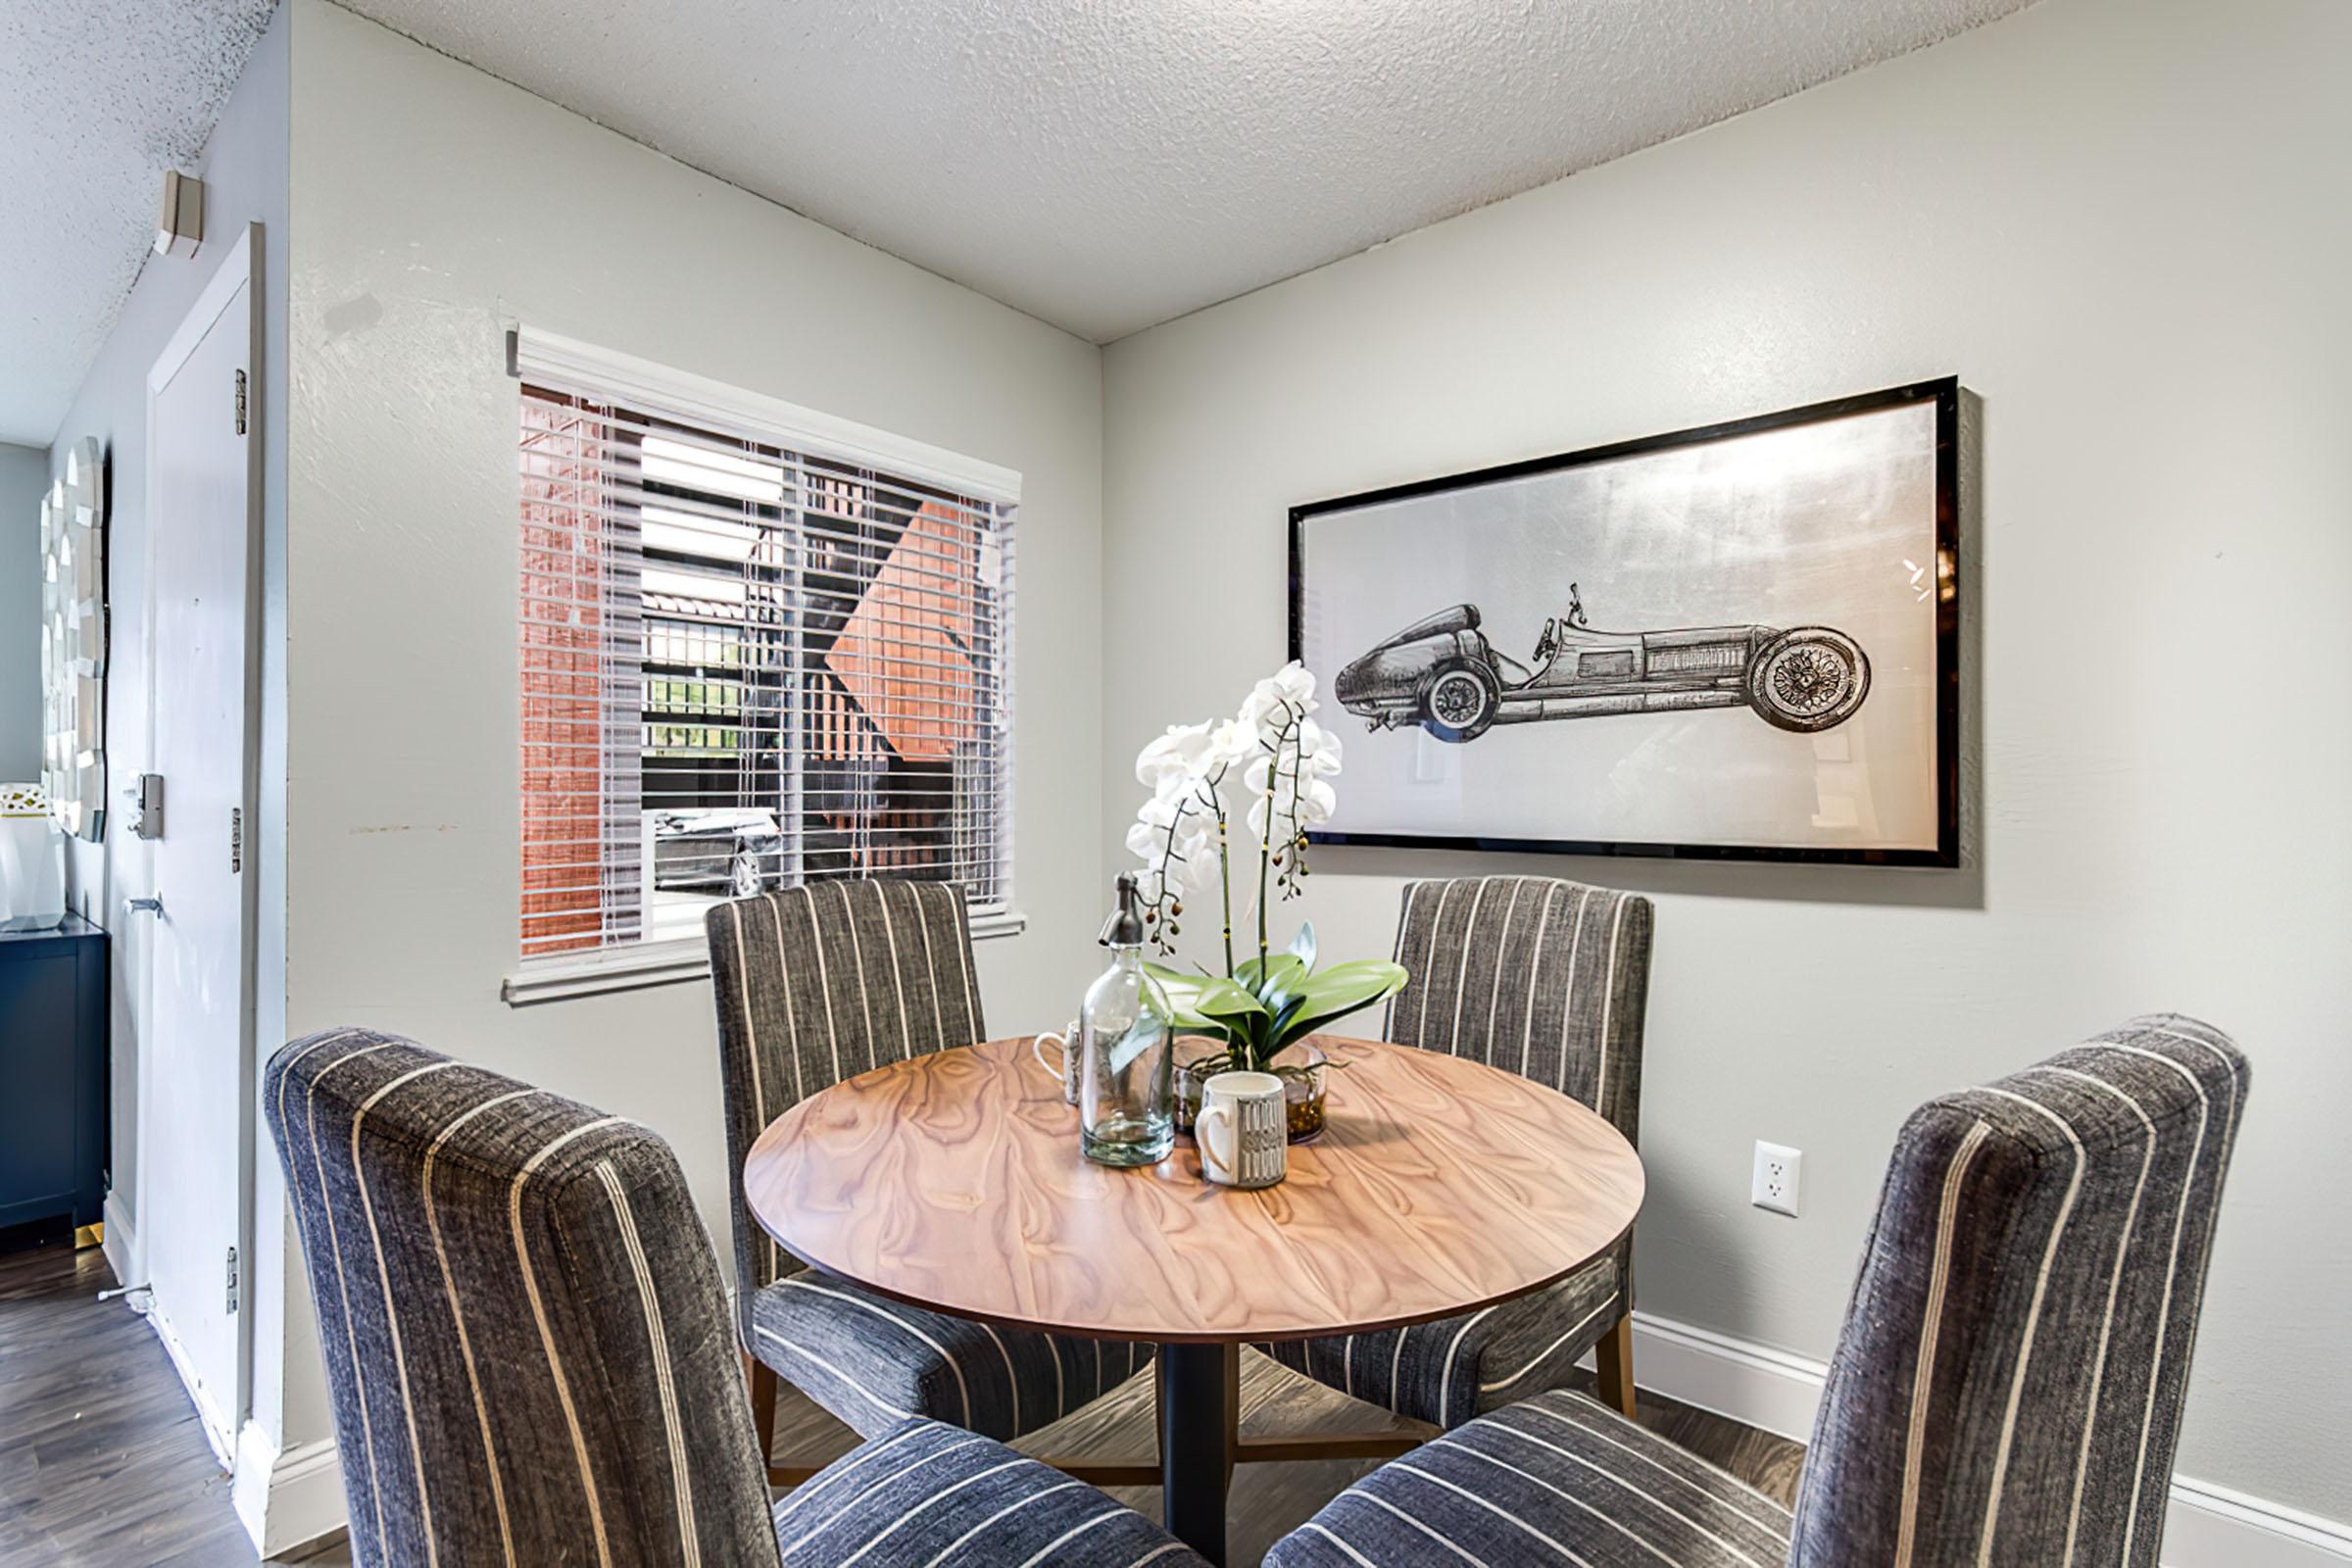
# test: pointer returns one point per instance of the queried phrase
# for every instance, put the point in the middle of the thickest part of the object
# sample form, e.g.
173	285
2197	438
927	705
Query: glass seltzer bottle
1125	1060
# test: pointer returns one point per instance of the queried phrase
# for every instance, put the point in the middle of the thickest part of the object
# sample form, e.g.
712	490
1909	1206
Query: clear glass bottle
1126	1103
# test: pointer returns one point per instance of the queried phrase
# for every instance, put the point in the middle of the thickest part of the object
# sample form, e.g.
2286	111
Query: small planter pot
1301	1066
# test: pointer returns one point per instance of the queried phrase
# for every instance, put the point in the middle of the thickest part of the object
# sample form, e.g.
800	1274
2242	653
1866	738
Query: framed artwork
1739	642
73	643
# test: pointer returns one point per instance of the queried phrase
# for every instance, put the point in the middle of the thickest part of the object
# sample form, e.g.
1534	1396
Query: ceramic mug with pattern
1058	1050
1244	1130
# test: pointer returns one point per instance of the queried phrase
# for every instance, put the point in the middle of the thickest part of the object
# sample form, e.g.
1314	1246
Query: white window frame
691	397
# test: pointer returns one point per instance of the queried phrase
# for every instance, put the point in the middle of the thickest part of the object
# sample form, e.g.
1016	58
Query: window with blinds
747	663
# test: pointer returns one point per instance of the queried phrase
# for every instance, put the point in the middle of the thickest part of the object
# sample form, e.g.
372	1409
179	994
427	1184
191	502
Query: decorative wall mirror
73	643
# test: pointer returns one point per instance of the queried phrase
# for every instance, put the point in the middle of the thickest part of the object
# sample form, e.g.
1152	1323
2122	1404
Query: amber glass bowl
1301	1066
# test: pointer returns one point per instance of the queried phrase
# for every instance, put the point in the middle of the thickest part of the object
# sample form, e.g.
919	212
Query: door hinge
240	403
236	840
233	1280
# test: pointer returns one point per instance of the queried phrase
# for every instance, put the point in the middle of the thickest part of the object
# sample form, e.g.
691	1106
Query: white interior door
195	1153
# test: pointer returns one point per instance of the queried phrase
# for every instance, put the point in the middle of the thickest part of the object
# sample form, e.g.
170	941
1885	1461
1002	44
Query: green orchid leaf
1222	1000
1258	973
1270	979
1358	971
1281	977
1207	1033
1157	1000
1283	1018
1203	1003
1139	1038
1172	997
1302	945
1336	991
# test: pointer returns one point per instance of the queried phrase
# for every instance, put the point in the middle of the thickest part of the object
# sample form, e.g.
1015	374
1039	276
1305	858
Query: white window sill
660	964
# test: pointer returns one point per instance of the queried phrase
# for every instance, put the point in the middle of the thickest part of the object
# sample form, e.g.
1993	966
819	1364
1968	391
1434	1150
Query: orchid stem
1263	856
1225	884
1265	846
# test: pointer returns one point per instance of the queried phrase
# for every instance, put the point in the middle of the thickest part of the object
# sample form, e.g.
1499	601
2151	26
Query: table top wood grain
954	1181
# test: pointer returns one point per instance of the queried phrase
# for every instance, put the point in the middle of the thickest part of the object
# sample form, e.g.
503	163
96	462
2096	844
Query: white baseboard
249	1482
2210	1524
217	1430
286	1498
121	1243
1774	1391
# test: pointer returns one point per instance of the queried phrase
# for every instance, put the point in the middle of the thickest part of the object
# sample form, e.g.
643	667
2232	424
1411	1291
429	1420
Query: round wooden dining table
953	1181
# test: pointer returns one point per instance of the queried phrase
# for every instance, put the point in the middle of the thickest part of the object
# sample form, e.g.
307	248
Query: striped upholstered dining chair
2007	1388
529	1359
814	985
1550	980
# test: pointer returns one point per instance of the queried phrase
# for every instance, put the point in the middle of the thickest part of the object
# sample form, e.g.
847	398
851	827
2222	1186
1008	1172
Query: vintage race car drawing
1443	674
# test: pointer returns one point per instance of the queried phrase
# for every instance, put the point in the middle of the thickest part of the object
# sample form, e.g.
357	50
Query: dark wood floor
102	1460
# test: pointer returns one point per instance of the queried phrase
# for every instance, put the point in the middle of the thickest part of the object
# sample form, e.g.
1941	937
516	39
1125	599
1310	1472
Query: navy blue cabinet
52	1073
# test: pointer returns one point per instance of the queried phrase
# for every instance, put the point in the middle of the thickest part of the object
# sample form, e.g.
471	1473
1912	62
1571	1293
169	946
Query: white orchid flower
1176	752
1259	812
1191	760
1172	813
1318	748
1173	837
1146	841
1279	701
1313	752
1294	681
1291	811
1230	744
1180	832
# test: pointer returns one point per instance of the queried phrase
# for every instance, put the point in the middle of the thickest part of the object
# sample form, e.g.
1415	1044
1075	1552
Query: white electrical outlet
1778	1183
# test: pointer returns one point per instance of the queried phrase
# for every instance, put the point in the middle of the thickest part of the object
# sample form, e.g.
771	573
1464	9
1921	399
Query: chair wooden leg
1613	1362
762	1380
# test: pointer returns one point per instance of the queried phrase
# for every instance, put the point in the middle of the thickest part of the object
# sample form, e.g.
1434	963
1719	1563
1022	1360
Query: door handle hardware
148	796
154	906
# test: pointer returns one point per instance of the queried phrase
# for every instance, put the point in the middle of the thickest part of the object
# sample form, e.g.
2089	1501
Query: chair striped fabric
928	1485
1555	1479
530	1360
2009	1384
814	985
2007	1388
1550	980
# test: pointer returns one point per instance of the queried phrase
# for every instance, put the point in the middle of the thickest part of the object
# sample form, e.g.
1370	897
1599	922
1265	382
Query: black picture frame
1944	394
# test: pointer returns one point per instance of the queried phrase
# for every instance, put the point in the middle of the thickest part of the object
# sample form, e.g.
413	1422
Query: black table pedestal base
1200	1406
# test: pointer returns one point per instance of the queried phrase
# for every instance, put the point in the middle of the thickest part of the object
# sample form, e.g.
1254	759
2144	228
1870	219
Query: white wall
435	208
2123	225
24	479
244	171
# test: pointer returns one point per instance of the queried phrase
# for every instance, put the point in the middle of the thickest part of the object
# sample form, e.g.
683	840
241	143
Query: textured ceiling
1108	164
97	99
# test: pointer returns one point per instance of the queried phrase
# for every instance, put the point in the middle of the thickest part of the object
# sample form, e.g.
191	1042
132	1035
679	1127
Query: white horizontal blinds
747	665
581	875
